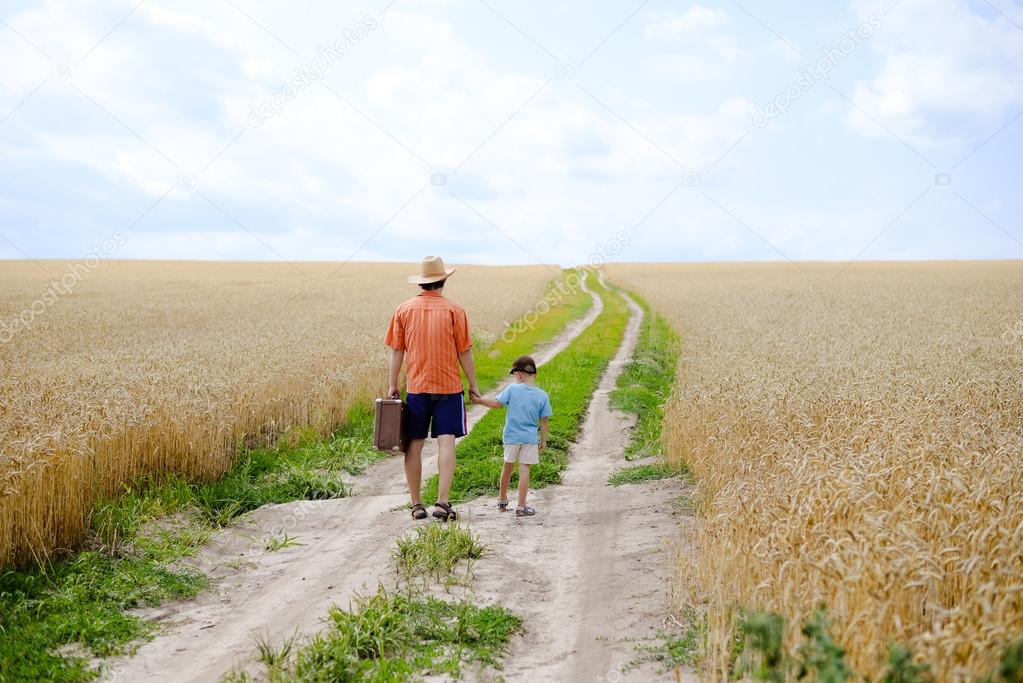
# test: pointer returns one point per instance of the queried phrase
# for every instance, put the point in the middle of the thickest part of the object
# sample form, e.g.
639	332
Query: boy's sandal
444	512
418	511
502	505
524	512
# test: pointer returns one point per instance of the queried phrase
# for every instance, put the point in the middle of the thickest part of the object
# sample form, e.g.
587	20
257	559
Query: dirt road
588	573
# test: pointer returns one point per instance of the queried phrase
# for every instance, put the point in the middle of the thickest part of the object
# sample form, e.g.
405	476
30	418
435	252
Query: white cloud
788	52
695	21
949	75
697	43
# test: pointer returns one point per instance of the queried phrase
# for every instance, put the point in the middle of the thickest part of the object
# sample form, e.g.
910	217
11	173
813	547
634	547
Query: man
431	333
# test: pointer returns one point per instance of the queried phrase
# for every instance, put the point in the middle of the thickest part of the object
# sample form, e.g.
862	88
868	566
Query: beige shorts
525	453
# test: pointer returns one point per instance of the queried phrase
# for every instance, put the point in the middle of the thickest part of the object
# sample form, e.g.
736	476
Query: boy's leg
506	473
414	470
523	483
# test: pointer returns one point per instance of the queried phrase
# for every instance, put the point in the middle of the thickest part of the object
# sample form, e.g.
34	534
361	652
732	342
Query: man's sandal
502	505
524	511
444	512
418	511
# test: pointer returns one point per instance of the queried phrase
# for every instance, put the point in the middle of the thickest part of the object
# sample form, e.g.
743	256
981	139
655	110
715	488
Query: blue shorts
446	412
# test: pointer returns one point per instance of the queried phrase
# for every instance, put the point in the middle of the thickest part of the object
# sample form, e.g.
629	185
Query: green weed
640	473
902	669
672	650
820	655
434	550
280	541
1010	668
274	657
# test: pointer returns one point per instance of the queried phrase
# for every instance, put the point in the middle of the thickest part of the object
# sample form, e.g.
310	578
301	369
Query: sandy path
346	547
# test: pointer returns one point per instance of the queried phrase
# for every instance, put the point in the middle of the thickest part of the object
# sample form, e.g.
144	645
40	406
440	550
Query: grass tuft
280	541
274	657
434	551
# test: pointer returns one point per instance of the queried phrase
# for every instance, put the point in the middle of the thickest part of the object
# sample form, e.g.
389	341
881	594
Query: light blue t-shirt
526	405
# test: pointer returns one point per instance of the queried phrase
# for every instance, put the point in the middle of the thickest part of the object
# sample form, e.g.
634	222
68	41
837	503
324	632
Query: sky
501	132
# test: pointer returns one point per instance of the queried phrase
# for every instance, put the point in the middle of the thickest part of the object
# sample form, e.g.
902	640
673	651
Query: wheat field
857	441
113	370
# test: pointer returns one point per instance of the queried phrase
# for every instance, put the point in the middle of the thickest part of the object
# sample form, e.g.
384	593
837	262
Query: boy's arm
488	402
544	426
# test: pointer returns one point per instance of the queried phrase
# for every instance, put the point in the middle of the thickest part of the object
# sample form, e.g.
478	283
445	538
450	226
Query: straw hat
431	270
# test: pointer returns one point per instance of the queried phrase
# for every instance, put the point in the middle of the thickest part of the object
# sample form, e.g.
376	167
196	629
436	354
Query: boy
529	408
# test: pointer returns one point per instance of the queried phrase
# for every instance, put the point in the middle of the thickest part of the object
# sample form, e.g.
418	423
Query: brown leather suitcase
389	426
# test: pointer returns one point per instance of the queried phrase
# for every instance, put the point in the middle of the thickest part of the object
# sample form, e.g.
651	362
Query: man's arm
469	368
392	379
544	426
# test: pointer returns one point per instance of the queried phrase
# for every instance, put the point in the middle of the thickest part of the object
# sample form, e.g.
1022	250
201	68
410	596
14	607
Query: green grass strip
646	383
570	379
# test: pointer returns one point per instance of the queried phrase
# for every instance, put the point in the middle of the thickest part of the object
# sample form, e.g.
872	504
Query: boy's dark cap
524	364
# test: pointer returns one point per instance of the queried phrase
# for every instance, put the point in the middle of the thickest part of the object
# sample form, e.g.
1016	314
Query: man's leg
414	470
445	466
448	424
523	484
506	473
417	423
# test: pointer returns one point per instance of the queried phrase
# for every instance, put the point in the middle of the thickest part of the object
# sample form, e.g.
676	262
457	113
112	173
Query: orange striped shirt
432	331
